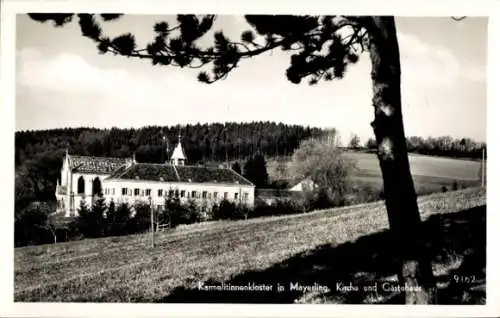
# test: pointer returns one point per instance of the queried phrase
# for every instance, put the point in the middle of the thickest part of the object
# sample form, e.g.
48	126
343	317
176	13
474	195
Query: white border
374	7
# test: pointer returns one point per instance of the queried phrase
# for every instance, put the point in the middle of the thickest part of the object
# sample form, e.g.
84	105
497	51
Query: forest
39	154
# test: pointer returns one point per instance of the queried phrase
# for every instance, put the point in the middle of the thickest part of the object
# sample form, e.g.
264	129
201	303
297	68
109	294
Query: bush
223	211
261	209
141	221
174	213
118	219
363	194
90	222
242	212
30	225
230	211
194	213
279	207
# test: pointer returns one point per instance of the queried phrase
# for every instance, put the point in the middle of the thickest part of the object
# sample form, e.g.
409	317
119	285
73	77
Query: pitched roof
96	165
178	153
210	175
170	173
117	172
147	171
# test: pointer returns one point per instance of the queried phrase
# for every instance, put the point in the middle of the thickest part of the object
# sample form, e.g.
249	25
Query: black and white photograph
279	159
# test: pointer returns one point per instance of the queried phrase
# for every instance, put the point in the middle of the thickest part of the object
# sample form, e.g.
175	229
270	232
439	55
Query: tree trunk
400	197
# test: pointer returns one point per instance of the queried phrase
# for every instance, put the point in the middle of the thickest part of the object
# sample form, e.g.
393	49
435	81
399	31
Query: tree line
444	146
201	142
39	154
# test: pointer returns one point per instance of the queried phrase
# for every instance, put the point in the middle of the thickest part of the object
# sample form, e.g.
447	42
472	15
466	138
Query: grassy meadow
430	173
321	248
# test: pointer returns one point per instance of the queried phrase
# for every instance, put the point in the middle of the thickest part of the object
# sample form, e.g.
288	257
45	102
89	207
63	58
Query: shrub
118	219
195	213
324	199
230	211
90	222
261	209
242	212
223	211
279	207
364	193
141	221
175	213
30	225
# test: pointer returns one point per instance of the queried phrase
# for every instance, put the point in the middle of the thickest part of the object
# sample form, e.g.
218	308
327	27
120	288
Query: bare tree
326	166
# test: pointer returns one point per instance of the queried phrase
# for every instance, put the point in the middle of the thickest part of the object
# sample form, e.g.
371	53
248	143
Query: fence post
152	223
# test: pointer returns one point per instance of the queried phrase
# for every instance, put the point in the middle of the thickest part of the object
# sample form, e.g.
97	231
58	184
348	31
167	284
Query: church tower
178	158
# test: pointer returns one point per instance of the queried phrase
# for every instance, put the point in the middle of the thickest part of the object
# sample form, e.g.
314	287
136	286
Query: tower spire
178	157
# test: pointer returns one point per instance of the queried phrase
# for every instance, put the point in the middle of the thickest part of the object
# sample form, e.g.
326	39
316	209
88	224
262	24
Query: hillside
319	248
430	173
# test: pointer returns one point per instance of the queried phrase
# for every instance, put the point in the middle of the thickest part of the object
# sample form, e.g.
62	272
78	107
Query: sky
62	81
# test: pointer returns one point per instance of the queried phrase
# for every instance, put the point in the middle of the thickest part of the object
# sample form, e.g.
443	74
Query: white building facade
126	181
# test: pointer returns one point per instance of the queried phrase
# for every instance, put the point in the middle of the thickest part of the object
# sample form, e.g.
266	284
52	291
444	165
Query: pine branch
305	34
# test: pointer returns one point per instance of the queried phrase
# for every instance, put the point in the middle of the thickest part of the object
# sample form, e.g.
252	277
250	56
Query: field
320	248
429	173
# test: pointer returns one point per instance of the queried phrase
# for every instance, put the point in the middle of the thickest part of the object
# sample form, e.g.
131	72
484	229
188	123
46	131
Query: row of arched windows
96	186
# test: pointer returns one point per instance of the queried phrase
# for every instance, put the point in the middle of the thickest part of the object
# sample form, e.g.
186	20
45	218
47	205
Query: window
204	194
113	191
130	192
81	186
245	196
215	195
160	192
183	193
225	195
142	192
193	194
124	191
148	192
176	193
171	193
137	191
236	195
209	195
